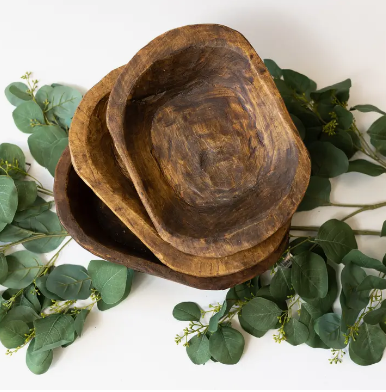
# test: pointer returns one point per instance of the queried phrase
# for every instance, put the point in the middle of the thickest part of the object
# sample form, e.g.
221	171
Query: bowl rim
236	239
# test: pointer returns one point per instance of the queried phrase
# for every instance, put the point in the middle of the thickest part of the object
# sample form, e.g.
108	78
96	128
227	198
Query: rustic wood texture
207	141
99	231
93	157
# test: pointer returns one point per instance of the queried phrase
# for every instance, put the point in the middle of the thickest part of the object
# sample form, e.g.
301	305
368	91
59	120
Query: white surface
78	42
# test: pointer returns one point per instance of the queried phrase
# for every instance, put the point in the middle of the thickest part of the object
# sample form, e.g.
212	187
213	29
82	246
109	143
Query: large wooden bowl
93	157
97	229
207	141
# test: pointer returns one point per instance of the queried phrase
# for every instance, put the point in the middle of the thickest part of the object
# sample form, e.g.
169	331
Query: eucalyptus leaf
64	101
327	160
365	167
79	321
26	115
273	68
372	282
377	132
13	233
12	333
344	117
23	313
360	361
38	363
32	296
3	267
383	234
308	315
375	316
8	199
317	194
27	193
38	206
42	141
329	329
295	332
55	153
53	331
351	277
337	239
16	93
349	316
43	95
342	140
341	90
261	314
309	275
248	328
214	320
298	82
226	345
299	126
69	281
281	286
356	257
109	279
198	349
367	108
14	156
23	268
41	283
187	311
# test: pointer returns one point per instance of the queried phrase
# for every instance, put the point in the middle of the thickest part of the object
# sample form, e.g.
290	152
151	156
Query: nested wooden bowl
204	135
91	223
94	159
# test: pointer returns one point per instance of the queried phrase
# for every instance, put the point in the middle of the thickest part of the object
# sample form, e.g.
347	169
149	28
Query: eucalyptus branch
316	228
39	236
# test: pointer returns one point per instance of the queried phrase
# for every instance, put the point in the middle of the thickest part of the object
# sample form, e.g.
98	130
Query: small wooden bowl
207	141
98	230
93	157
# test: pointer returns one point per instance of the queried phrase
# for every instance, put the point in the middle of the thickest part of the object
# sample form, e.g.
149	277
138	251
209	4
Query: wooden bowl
207	141
93	157
97	229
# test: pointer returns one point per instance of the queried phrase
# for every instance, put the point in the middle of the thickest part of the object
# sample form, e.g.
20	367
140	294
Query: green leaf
42	141
63	101
80	319
356	257
337	239
14	156
261	314
42	95
308	315
358	360
226	345
298	82
55	153
341	90
8	199
41	283
375	316
242	291
365	167
341	140
328	327
349	316
309	275
248	328
27	193
214	320
383	234
16	93
3	309
2	226
351	277
295	332
32	296
281	286
23	268
38	363
344	117
53	331
45	223
369	343
377	132
23	313
3	267
187	311
13	233
317	194
102	306
69	281
109	279
27	113
372	282
40	205
327	160
299	126
12	333
325	304
198	349
367	108
273	68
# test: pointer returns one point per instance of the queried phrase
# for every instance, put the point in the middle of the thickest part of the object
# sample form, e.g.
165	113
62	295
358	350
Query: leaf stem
32	238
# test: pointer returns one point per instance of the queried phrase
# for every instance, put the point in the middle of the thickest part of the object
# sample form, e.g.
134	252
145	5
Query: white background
77	43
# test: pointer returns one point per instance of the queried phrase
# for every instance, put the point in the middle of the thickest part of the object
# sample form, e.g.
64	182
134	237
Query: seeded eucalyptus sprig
298	299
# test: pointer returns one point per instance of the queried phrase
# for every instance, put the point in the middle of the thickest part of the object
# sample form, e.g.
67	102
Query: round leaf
109	279
3	267
226	345
14	156
23	268
63	101
16	93
38	206
295	332
317	194
69	281
43	95
248	328
13	333
55	153
198	349
25	114
273	68
23	313
27	192
281	286
8	199
261	314
366	167
352	276
41	283
38	363
187	311
308	315
328	327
